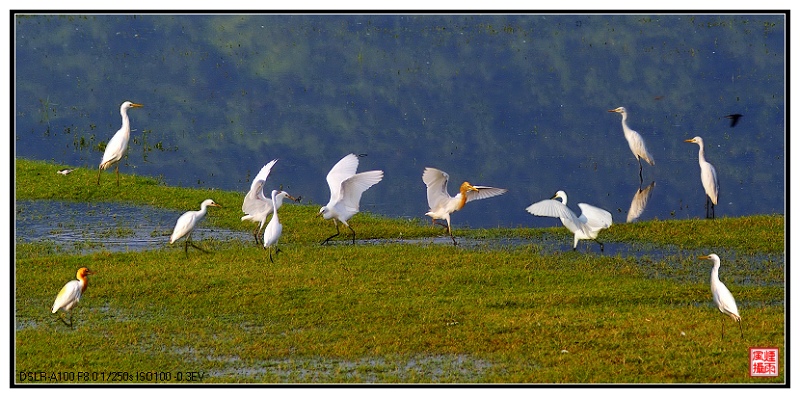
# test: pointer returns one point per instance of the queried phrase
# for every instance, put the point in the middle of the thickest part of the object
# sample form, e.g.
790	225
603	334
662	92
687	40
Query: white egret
346	189
639	202
64	172
256	206
442	204
71	293
708	175
186	224
274	228
635	141
116	147
722	296
591	221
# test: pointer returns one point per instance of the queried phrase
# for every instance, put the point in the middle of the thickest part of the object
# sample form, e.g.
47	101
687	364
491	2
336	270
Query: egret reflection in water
639	202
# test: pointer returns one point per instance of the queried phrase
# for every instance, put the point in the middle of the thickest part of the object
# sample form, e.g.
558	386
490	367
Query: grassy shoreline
395	312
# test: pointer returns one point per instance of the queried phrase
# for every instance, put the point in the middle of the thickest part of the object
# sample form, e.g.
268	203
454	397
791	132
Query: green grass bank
387	311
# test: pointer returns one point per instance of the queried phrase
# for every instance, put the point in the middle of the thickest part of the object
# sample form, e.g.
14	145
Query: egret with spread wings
442	204
586	226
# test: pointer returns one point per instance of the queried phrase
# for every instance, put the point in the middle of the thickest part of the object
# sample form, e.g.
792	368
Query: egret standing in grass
708	175
71	293
442	204
722	296
118	145
591	221
256	206
635	141
274	228
346	189
186	224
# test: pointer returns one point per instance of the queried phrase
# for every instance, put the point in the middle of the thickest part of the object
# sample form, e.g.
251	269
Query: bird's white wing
484	192
71	292
114	148
594	217
255	202
262	175
184	224
354	187
341	171
554	208
710	182
436	181
725	299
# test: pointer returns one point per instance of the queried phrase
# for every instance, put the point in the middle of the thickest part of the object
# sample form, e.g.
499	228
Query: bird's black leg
641	180
723	328
270	256
198	247
99	173
64	321
354	233
740	327
334	235
117	172
255	235
601	244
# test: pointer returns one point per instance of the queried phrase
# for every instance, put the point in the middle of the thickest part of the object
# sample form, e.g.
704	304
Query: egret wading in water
118	145
71	293
722	296
274	228
708	176
256	206
186	224
635	141
591	221
442	204
346	189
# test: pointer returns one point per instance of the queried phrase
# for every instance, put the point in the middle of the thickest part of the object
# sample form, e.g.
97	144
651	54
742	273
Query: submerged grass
391	312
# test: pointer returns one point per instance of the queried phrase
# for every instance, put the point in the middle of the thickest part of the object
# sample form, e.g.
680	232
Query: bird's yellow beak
136	105
614	110
216	205
689	140
704	257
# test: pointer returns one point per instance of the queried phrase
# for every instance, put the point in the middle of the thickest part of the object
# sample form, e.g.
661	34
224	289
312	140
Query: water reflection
639	202
516	100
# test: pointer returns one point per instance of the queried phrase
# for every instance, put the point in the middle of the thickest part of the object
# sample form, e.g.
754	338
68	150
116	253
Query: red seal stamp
763	362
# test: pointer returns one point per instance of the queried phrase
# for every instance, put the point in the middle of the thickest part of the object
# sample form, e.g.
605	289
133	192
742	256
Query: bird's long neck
84	282
463	198
701	153
203	210
126	123
277	200
625	127
715	272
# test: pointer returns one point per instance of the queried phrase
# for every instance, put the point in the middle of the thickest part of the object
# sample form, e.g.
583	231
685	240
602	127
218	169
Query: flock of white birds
347	186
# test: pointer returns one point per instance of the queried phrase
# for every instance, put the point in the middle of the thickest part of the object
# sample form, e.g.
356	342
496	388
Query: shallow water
117	227
516	101
77	227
